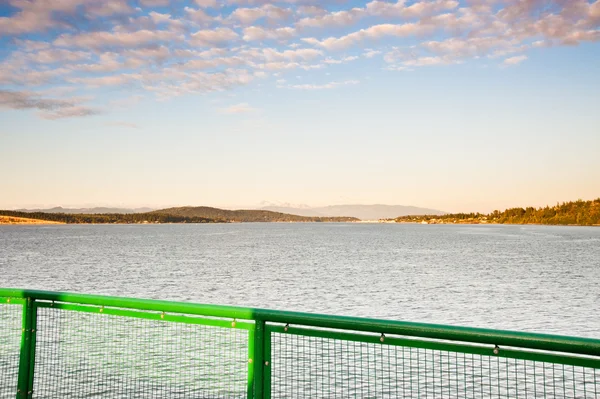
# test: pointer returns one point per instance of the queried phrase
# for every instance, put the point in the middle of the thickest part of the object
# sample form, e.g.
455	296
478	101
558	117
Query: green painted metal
251	355
259	359
27	352
441	346
32	345
557	343
268	362
175	318
426	345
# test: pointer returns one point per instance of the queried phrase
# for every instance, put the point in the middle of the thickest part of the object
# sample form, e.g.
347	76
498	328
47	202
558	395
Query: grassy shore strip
19	220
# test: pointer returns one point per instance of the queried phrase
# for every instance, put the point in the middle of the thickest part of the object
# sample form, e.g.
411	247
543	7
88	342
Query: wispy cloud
170	48
514	60
49	108
330	85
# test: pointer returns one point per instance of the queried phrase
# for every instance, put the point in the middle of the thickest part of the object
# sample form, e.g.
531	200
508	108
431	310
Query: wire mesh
97	355
10	345
315	367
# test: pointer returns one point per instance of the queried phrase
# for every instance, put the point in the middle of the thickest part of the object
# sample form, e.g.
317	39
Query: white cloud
168	48
206	3
52	56
337	18
107	8
371	53
375	32
256	33
197	15
330	85
515	60
95	40
340	60
154	3
49	108
216	36
249	15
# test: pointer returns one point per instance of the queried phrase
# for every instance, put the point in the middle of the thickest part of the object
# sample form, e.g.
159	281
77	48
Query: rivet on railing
496	349
162	315
382	338
286	327
102	309
52	304
249	360
8	300
233	323
267	363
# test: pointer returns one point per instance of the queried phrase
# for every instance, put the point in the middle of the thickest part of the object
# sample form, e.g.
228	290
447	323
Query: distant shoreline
12	220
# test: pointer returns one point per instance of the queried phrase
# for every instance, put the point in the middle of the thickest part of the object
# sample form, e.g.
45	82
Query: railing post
258	362
259	369
27	355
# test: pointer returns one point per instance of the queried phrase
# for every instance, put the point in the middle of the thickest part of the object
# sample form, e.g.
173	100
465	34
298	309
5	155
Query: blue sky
456	105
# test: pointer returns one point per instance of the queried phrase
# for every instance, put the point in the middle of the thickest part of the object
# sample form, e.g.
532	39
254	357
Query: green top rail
547	342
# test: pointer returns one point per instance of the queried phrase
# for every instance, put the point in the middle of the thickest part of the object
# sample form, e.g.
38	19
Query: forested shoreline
109	218
575	213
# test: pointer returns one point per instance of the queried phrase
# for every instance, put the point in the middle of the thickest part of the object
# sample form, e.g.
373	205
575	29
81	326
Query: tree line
104	218
580	213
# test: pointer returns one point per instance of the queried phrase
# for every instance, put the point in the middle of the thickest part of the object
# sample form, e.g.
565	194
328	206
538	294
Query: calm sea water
533	278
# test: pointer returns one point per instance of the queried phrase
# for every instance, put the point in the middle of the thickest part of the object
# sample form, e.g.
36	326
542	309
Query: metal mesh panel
10	345
97	355
303	367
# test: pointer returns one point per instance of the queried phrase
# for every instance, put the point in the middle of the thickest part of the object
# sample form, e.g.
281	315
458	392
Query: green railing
62	345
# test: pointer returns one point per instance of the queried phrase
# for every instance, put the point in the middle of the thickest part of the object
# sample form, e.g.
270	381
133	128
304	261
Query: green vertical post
32	348
268	365
250	390
258	361
25	381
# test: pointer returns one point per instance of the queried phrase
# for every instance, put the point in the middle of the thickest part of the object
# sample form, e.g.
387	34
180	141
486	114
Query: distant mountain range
247	215
363	212
88	211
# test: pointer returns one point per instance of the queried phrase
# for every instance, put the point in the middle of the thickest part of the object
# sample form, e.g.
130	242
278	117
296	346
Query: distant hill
88	211
363	212
102	218
247	215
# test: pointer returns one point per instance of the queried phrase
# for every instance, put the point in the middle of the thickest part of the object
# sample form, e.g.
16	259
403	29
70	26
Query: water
529	278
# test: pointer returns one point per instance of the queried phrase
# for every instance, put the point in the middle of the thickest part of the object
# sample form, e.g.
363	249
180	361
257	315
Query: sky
458	105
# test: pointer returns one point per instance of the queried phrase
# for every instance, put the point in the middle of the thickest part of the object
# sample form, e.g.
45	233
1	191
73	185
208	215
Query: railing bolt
382	338
496	350
102	309
249	360
267	363
162	315
286	327
233	323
